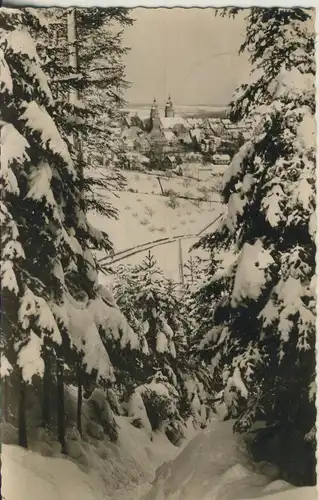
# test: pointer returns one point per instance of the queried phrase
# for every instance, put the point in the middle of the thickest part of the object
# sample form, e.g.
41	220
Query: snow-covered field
197	182
212	466
146	216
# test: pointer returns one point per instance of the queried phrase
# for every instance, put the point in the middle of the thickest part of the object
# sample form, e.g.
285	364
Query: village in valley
160	137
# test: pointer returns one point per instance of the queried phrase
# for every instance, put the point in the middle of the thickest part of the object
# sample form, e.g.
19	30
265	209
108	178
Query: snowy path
215	466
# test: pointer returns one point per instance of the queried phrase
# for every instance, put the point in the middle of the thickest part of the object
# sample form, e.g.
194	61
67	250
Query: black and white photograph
158	252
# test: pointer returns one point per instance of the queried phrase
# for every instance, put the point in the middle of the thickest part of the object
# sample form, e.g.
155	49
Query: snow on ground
123	467
148	217
42	477
197	181
212	466
215	466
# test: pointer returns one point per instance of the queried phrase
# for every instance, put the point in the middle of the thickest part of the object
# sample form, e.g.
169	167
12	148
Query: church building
155	121
169	109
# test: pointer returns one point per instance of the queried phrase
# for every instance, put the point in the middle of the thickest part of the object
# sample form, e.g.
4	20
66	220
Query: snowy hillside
146	216
114	469
213	466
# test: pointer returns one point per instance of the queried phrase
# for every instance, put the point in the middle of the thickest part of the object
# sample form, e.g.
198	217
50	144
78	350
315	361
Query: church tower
155	121
169	108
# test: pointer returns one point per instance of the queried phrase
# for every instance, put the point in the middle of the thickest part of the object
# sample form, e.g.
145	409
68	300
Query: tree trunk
80	399
60	404
73	50
46	406
5	400
0	480
180	261
23	440
74	94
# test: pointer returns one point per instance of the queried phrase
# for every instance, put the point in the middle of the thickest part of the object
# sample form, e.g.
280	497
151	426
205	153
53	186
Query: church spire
169	108
154	116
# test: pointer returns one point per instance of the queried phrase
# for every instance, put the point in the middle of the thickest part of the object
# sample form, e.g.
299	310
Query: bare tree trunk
60	404
1	498
5	399
74	94
73	53
23	439
180	261
80	399
46	401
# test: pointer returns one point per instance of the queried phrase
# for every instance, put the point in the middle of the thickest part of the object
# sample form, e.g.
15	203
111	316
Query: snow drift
114	471
214	465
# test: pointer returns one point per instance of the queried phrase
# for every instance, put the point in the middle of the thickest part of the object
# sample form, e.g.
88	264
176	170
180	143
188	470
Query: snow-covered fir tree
193	270
258	331
140	294
173	386
84	59
57	316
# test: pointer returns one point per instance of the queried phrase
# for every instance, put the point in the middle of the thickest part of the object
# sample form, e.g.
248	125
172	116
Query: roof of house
180	127
186	138
193	121
131	132
155	132
169	135
215	127
127	120
137	156
142	140
169	122
196	132
171	158
221	157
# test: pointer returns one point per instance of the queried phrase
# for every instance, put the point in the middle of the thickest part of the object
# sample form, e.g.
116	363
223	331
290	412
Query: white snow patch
21	43
250	277
8	277
136	409
5	366
37	118
271	204
215	466
5	74
84	336
313	224
161	342
236	205
40	182
29	358
306	131
13	150
49	478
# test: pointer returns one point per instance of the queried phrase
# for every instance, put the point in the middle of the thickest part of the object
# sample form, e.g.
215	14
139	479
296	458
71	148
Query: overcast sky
174	51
